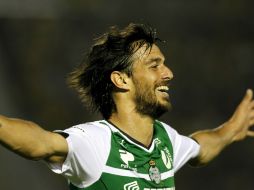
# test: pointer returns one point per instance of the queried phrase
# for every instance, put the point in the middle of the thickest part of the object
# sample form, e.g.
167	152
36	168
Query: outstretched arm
31	141
212	142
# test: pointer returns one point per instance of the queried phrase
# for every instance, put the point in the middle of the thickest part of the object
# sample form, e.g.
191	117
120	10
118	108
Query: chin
160	109
166	105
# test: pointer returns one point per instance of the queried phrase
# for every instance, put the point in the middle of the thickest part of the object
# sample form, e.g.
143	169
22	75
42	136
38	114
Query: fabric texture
103	157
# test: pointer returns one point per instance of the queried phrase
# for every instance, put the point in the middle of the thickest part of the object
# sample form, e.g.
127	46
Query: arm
212	142
31	141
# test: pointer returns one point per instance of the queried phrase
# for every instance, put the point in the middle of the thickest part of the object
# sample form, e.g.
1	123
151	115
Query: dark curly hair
111	52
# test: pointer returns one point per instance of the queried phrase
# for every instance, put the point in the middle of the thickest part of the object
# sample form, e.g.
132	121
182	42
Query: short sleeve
88	150
184	148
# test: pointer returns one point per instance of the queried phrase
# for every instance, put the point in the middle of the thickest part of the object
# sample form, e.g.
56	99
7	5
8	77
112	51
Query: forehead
144	54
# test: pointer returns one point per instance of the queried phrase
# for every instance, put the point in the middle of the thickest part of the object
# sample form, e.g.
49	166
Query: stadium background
209	47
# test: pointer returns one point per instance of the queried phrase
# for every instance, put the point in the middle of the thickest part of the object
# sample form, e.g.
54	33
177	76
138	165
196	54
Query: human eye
154	65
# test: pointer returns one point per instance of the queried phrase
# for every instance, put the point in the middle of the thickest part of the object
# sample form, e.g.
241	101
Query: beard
147	103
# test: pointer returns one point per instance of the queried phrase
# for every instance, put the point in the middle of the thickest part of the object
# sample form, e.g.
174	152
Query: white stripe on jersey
129	173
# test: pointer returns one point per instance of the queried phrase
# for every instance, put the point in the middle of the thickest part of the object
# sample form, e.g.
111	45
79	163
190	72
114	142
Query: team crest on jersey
154	172
167	158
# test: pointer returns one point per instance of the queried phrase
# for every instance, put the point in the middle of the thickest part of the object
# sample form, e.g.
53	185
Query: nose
167	73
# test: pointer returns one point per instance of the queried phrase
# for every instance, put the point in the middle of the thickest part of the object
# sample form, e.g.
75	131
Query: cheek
148	78
145	79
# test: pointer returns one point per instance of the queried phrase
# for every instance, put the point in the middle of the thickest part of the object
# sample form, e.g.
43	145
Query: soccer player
125	78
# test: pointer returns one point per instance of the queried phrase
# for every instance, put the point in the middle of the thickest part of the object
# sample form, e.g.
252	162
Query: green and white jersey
101	157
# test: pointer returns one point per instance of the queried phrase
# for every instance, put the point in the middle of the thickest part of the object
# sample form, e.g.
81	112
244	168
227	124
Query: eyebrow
157	59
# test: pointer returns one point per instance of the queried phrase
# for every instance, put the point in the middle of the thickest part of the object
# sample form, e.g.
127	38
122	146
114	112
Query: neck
138	126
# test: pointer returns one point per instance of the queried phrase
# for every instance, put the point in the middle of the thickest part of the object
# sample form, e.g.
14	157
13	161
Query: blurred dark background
210	48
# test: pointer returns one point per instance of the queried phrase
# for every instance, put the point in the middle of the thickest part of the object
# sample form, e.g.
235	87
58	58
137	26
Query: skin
237	128
31	141
149	68
149	72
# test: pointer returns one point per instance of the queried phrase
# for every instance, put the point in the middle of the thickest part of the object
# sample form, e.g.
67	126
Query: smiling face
150	77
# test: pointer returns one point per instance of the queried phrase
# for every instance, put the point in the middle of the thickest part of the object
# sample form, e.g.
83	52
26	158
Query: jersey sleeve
87	154
184	148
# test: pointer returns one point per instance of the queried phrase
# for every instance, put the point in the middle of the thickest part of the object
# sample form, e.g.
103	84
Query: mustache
163	83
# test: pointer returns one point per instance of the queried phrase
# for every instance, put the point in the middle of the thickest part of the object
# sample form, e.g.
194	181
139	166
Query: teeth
163	88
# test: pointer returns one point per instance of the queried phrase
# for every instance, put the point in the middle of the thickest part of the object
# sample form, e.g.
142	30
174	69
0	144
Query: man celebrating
125	78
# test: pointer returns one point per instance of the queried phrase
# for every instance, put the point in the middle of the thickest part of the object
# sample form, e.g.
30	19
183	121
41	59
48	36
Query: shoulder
92	133
93	137
168	128
172	133
95	128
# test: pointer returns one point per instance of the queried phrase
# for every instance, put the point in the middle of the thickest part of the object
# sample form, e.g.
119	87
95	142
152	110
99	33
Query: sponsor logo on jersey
167	188
134	186
126	158
131	186
122	142
167	158
157	141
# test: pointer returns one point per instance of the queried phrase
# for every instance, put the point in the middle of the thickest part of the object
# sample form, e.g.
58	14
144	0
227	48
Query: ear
120	80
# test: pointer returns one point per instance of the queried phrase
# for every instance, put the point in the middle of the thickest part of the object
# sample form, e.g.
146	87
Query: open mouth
163	89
